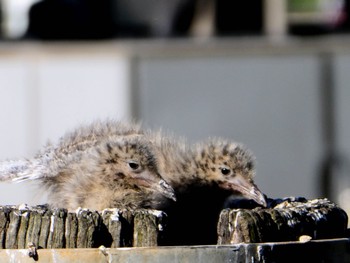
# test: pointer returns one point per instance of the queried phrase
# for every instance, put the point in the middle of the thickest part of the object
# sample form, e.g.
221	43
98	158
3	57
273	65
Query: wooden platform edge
327	250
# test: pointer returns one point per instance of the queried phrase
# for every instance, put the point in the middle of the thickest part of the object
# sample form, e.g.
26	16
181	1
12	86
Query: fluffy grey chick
54	157
119	171
227	164
203	177
89	135
217	163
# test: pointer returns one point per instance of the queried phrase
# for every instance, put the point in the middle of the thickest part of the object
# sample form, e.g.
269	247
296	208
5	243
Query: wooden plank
285	221
112	222
23	226
58	228
4	222
56	237
330	251
88	227
71	233
147	225
13	227
45	229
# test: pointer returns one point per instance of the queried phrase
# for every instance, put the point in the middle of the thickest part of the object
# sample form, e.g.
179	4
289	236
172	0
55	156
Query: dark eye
225	171
250	165
134	166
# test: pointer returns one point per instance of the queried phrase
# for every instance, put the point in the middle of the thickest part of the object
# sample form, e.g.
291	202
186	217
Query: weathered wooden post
4	221
113	226
12	230
287	221
58	228
147	225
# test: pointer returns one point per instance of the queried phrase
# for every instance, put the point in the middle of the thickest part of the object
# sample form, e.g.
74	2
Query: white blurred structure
15	18
44	94
266	95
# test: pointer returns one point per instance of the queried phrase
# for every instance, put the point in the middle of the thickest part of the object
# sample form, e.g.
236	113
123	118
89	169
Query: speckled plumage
96	166
118	173
203	176
53	157
214	162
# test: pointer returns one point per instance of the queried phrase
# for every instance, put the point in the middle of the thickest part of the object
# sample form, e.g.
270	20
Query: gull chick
115	171
118	173
203	177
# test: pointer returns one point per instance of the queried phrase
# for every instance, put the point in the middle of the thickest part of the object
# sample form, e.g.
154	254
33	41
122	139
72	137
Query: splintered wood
284	220
58	228
287	220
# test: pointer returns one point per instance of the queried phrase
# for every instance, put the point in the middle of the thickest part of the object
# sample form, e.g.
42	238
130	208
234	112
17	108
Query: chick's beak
155	183
246	188
165	189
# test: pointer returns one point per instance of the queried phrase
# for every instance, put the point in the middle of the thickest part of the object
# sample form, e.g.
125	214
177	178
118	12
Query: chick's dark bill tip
168	191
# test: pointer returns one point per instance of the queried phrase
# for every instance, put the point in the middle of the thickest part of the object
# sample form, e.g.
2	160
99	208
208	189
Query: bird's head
129	162
229	166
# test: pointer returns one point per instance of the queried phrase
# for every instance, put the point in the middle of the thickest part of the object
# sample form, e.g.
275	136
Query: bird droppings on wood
305	238
157	213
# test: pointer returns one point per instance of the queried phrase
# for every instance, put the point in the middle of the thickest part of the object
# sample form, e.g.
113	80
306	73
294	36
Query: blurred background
272	74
